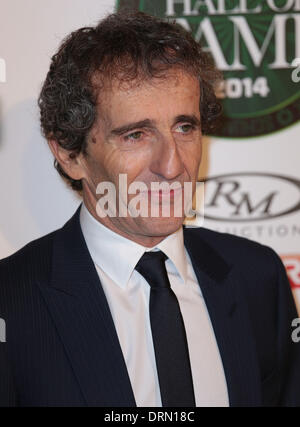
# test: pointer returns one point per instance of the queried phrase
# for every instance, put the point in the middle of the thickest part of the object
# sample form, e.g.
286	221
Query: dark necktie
168	333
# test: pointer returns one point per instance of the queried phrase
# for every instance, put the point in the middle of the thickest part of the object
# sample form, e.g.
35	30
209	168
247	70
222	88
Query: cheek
191	157
112	161
135	165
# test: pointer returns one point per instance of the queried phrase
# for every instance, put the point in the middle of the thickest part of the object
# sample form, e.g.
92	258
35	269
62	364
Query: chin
161	226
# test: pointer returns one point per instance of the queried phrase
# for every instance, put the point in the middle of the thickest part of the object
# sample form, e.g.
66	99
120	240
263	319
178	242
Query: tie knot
152	267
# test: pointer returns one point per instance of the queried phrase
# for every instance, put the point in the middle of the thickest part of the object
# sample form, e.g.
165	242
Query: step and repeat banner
251	166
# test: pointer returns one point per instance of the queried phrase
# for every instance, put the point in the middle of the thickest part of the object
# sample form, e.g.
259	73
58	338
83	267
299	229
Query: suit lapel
80	311
220	286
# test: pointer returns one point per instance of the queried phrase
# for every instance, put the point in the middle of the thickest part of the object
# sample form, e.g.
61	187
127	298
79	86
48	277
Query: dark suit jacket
61	344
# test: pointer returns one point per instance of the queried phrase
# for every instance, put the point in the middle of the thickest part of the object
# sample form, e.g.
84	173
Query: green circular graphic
256	44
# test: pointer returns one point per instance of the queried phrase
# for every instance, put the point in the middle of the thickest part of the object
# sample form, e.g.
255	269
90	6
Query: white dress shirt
127	293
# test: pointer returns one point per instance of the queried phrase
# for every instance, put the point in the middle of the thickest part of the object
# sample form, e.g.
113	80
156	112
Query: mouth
162	195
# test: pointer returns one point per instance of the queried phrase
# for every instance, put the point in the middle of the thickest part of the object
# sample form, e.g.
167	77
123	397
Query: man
127	309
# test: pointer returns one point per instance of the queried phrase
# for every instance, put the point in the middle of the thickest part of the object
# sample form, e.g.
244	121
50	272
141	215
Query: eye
185	128
134	136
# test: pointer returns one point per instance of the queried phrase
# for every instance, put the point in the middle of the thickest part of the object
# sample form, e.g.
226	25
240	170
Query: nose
166	160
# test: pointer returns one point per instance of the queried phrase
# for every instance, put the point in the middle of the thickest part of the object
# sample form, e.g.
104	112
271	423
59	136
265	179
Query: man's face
150	132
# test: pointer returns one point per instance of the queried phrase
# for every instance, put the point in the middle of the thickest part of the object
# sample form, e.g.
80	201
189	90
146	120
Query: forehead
177	92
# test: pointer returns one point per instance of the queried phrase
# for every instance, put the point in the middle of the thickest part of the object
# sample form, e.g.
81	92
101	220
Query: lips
163	194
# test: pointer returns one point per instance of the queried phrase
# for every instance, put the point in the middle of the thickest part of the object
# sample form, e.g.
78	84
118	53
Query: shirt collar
118	256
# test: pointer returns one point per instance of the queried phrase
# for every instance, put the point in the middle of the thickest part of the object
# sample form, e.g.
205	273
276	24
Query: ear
69	161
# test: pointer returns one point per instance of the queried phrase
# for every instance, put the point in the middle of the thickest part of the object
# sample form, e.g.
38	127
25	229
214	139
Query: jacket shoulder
240	251
27	265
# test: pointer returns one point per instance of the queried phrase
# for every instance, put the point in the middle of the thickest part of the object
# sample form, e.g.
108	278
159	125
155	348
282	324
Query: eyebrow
131	126
147	123
188	118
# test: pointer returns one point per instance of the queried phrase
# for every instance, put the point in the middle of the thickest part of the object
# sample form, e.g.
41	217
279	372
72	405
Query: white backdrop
35	201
